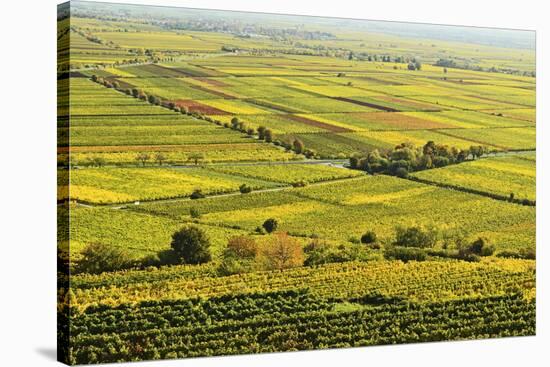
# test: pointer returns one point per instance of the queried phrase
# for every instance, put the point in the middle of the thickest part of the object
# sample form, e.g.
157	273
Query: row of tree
406	158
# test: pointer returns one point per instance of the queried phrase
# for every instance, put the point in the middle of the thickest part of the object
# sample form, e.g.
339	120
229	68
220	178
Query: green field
515	174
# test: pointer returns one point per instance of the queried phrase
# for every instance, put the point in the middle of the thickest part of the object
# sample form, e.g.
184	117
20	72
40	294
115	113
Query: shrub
401	172
481	247
191	245
239	256
529	253
245	189
405	254
270	225
301	183
473	251
194	213
415	236
197	194
368	237
354	239
98	258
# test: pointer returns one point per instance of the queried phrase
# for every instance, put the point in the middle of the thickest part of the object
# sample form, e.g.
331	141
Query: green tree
195	157
268	135
298	146
191	245
368	237
270	225
97	258
261	132
235	123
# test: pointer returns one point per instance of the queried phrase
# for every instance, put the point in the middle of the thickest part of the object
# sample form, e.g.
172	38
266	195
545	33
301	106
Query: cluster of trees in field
449	63
406	158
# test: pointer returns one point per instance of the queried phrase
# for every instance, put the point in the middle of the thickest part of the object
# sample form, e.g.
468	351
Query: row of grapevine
284	321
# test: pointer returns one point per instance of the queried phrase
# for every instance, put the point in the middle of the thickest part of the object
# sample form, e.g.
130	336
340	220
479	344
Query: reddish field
198	107
322	125
402	121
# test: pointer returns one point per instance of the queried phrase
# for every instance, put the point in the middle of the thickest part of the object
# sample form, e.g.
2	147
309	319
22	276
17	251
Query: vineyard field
239	183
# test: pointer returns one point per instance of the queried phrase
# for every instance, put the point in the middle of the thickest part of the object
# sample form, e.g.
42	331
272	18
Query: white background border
28	183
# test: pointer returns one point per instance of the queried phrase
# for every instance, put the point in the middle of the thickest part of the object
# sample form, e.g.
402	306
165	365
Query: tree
152	99
298	146
250	131
135	92
239	256
368	237
98	258
191	245
195	157
402	172
354	162
261	132
235	123
160	158
270	225
281	251
477	151
440	161
417	65
94	78
143	158
244	247
411	66
268	135
429	148
481	247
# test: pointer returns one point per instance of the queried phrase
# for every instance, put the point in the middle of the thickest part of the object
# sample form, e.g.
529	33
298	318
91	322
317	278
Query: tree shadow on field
49	353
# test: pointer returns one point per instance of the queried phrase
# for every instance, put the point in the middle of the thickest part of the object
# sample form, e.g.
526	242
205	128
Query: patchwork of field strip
506	175
289	173
189	153
119	185
137	233
343	210
109	125
326	97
